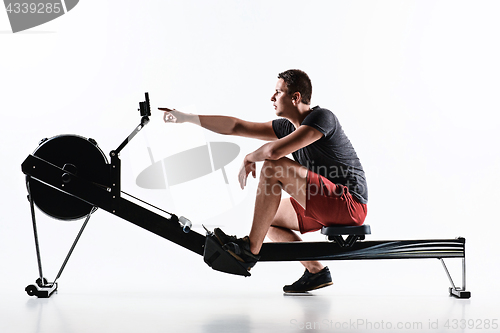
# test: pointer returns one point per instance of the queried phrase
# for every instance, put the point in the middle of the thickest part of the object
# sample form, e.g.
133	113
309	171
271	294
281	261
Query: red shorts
327	204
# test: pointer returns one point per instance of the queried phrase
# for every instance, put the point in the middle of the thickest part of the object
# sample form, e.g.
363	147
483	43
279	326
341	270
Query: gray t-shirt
332	156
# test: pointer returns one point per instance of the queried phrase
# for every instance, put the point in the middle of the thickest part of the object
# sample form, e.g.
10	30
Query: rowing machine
68	177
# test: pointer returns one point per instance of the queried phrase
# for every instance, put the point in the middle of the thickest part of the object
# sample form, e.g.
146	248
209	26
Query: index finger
242	177
165	109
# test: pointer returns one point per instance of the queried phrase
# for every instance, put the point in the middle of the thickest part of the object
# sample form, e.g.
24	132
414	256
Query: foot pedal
221	260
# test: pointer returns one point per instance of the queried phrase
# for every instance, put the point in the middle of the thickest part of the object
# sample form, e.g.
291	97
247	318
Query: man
326	181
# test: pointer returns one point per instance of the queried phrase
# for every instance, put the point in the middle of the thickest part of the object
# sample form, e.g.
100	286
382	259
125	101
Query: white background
414	83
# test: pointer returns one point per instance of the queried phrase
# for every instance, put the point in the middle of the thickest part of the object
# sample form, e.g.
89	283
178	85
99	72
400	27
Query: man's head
297	81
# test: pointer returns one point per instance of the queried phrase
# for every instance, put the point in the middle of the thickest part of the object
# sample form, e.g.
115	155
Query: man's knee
270	168
280	168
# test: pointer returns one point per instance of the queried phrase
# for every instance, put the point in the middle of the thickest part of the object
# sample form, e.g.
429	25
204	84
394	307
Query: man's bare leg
277	216
282	230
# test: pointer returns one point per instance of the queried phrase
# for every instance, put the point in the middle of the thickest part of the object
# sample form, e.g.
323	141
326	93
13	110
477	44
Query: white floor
183	309
127	280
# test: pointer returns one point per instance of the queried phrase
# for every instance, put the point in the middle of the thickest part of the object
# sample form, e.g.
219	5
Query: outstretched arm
223	124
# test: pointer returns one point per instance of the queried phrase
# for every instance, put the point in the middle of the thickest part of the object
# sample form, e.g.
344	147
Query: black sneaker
310	281
239	248
223	238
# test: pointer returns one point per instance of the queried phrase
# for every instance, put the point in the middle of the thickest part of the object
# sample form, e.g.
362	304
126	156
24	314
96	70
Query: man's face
281	100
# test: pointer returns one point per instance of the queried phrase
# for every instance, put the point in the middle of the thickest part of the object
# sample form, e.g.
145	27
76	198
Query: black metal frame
108	197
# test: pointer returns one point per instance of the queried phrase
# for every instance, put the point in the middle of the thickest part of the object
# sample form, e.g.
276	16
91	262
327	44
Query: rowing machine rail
74	171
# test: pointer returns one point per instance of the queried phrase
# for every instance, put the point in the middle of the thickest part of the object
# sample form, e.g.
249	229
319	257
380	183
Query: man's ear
296	98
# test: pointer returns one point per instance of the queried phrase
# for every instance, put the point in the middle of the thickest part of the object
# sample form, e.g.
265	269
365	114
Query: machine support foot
458	292
41	289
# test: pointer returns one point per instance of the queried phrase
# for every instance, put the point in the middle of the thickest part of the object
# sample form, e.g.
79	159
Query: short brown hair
297	81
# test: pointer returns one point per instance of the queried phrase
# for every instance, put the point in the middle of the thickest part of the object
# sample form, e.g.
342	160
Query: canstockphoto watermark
27	14
356	324
292	184
385	325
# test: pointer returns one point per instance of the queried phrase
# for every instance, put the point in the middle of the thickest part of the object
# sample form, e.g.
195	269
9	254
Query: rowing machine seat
354	233
346	230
